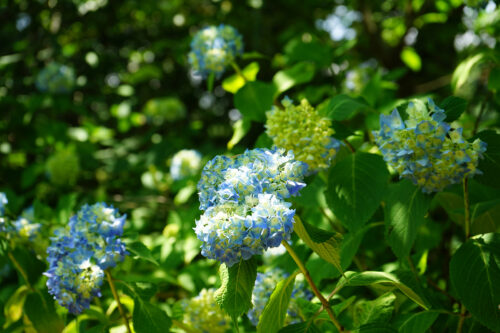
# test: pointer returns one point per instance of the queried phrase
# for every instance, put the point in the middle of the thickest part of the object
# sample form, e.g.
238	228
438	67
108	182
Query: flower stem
309	280
238	71
461	320
20	270
467	208
117	298
182	326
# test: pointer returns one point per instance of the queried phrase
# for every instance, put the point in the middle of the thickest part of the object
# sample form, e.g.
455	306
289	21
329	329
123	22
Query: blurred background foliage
135	102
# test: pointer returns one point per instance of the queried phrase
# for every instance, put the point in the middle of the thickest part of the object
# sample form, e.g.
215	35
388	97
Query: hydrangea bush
238	208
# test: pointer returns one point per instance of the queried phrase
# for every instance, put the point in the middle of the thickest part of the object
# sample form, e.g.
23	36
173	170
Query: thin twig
117	299
309	280
20	270
348	144
467	207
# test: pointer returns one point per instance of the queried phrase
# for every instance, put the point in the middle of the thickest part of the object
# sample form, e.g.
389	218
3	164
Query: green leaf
304	327
368	278
325	243
344	107
235	293
418	322
405	211
411	58
494	79
453	107
240	129
490	165
475	276
235	82
274	314
301	72
141	251
376	311
356	186
13	309
42	315
254	99
210	81
463	71
149	318
375	328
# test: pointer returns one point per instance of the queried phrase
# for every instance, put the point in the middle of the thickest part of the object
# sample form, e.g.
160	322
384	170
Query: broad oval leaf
356	186
490	165
141	251
13	309
418	322
299	73
404	212
42	315
325	243
149	318
368	278
453	107
475	276
254	99
344	107
274	314
235	293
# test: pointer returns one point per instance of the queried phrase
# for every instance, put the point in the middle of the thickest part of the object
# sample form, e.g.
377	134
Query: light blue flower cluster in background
81	252
214	48
185	163
204	315
22	229
264	287
56	79
425	149
243	201
3	203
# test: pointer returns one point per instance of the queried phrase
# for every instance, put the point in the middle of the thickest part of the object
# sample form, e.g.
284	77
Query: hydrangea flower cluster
56	79
244	205
23	228
204	315
81	252
425	149
185	163
63	167
214	48
264	287
3	203
300	128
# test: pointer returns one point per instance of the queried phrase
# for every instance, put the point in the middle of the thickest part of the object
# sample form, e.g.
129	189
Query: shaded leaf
356	186
141	251
453	107
418	322
42	315
254	99
344	107
404	212
149	318
474	275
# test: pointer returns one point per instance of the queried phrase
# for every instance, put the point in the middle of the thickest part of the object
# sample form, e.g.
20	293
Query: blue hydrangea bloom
425	149
22	229
80	253
243	201
185	163
3	202
56	79
214	48
264	287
